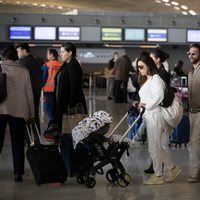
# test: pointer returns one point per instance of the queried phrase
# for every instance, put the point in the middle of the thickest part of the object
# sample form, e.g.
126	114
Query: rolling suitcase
132	116
45	162
181	134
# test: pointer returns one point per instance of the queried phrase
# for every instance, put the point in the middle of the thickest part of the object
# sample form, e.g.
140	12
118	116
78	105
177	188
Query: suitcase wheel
90	182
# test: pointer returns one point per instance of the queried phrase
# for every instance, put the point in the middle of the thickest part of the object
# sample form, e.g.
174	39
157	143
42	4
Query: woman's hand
141	105
135	103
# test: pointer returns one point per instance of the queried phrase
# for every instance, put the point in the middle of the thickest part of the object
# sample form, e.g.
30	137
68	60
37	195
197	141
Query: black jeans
17	129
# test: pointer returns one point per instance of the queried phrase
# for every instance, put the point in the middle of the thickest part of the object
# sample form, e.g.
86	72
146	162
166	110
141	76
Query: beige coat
194	92
19	101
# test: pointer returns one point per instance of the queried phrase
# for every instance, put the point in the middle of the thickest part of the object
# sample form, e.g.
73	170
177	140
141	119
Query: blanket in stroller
89	125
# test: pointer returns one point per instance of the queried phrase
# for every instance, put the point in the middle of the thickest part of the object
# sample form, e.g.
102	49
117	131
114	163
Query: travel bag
181	134
45	162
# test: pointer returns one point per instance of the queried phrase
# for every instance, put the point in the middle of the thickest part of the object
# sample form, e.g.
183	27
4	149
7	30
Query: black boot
149	170
18	178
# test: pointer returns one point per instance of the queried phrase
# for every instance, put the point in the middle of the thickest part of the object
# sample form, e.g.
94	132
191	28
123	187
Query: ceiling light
167	4
176	8
43	5
60	7
35	4
184	13
166	1
158	1
174	3
184	7
192	12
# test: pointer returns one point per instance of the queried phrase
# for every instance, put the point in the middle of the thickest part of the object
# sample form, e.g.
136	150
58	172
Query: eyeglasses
192	54
140	67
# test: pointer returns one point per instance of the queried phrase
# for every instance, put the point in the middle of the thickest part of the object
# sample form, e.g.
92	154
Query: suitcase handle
141	112
32	142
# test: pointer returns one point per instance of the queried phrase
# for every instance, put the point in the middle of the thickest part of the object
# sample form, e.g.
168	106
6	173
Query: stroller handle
141	112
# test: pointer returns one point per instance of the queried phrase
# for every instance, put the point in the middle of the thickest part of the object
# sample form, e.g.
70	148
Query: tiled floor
134	164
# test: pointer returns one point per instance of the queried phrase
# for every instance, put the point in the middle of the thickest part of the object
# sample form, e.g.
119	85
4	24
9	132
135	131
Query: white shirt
152	93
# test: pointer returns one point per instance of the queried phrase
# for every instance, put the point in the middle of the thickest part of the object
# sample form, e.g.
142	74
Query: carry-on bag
45	161
133	131
181	133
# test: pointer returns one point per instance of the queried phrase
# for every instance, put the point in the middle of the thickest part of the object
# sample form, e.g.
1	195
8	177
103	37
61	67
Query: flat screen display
132	34
111	34
157	35
193	35
20	33
69	33
44	33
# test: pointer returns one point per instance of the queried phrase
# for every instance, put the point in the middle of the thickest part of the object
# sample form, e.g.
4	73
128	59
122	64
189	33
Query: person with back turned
17	109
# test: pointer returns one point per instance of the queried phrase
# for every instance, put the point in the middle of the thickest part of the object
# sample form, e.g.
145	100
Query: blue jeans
48	104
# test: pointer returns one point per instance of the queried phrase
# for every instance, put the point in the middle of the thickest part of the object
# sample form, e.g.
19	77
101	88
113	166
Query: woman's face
143	69
65	55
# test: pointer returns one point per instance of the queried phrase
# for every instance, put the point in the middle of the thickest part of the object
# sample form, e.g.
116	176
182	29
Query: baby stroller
103	151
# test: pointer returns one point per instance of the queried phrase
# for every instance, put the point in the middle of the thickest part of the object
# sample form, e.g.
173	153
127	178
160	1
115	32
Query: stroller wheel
112	175
123	180
90	182
80	179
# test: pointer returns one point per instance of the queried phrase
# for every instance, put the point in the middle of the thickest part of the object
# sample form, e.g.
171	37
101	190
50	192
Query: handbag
174	113
72	118
168	97
3	91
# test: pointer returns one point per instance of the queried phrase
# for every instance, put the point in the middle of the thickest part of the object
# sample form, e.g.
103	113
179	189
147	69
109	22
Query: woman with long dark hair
151	95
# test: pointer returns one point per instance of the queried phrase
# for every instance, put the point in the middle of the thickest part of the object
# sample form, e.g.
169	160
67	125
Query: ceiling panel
103	6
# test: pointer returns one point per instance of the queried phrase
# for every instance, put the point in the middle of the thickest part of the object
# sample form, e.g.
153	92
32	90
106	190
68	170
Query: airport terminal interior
133	26
135	164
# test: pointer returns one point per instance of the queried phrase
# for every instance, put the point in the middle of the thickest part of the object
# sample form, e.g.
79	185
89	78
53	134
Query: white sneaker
154	180
173	173
195	178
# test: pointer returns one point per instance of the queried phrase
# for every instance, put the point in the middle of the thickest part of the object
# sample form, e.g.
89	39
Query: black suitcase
46	163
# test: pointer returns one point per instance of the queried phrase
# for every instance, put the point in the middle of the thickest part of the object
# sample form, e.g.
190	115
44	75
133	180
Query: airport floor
135	163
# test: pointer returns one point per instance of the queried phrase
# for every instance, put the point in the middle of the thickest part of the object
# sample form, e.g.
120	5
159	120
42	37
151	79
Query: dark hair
152	69
195	46
23	46
160	54
9	53
69	46
54	52
144	53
